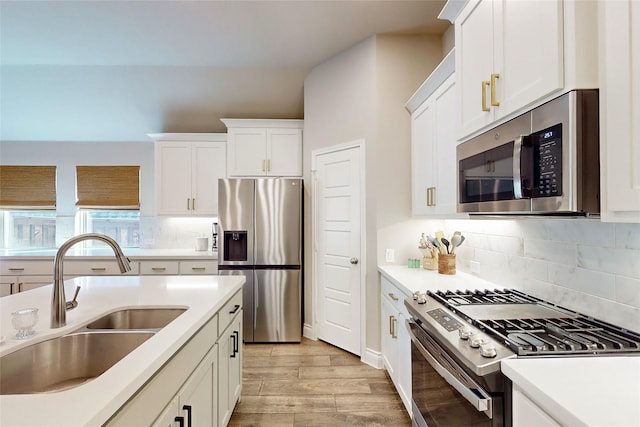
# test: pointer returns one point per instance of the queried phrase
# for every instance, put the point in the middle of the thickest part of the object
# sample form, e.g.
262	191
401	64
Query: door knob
353	260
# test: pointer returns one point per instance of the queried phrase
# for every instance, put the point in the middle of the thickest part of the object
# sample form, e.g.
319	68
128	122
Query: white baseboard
372	358
309	332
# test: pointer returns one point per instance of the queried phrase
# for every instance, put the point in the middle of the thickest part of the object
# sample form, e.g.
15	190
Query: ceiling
115	70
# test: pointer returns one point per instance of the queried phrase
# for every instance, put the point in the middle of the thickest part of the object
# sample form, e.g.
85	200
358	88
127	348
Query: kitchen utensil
434	242
456	239
439	236
446	244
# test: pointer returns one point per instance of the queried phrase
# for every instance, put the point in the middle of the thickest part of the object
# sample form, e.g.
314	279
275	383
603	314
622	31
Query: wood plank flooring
314	384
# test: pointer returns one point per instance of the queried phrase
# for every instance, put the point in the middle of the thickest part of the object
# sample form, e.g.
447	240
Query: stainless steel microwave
545	161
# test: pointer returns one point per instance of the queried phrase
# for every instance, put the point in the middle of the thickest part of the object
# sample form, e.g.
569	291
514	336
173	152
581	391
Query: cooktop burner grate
512	317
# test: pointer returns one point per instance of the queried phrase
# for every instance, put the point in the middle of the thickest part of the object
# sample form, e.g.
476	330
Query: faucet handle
70	305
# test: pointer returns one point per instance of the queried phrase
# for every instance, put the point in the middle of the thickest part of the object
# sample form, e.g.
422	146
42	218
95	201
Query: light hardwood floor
314	384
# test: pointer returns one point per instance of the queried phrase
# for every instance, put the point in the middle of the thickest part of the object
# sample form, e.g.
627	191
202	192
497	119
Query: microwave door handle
517	170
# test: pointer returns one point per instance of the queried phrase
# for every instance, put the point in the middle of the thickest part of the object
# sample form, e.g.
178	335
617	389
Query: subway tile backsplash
581	264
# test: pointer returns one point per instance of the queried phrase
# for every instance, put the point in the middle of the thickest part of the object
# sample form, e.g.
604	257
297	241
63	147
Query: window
109	202
27	204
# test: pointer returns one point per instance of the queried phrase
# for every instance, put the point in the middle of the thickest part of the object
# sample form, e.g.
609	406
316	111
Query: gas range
482	327
460	338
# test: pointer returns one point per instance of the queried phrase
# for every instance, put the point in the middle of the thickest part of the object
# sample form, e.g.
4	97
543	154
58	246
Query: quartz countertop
582	391
97	400
134	254
411	280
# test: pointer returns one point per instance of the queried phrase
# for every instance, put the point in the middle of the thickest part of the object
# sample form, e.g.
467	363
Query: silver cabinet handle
198	268
158	268
17	269
98	269
353	260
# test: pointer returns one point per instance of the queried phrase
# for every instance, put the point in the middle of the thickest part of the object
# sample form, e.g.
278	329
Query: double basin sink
70	360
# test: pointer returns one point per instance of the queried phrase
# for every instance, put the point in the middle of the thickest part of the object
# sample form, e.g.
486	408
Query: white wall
360	94
580	264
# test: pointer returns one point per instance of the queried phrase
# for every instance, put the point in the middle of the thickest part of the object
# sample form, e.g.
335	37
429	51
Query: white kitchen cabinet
20	276
264	147
195	403
620	110
199	267
513	54
434	109
96	267
395	339
159	267
527	414
230	360
187	169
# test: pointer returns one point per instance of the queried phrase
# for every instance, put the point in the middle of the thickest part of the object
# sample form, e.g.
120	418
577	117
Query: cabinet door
619	110
474	63
26	283
230	369
422	157
7	285
208	164
389	338
198	400
173	178
444	197
284	152
247	151
528	54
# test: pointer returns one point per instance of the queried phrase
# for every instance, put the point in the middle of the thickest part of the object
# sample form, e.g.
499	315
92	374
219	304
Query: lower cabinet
395	339
527	414
195	403
229	369
14	284
200	385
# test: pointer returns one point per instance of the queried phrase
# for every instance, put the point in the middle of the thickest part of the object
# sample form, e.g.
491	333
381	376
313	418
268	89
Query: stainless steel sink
137	318
65	362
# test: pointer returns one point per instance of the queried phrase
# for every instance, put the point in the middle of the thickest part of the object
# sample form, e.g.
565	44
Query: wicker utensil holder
447	263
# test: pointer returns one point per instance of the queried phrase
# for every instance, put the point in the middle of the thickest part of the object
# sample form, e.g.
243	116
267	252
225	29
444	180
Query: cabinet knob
353	260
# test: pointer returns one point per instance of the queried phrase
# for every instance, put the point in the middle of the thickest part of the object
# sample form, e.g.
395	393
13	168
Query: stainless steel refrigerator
260	230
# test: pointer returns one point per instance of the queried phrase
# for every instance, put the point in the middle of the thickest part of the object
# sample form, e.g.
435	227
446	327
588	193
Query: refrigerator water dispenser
235	245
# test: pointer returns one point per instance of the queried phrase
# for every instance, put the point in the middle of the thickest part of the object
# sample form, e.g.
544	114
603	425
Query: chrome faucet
59	304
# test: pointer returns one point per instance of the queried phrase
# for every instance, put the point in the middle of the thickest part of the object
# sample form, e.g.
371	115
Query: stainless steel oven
459	338
545	161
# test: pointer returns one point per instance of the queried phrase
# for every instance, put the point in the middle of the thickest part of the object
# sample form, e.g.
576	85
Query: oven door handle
477	396
517	170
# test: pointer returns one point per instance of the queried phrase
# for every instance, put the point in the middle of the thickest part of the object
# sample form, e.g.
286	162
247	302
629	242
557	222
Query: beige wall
360	94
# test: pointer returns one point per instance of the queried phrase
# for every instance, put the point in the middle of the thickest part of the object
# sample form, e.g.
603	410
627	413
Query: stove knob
422	299
476	340
465	332
488	350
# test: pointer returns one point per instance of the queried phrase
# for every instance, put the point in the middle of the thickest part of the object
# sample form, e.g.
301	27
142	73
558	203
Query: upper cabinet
434	112
619	110
187	168
511	55
264	147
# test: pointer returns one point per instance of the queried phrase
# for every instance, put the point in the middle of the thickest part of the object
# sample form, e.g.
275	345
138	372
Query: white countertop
582	391
419	279
94	402
134	254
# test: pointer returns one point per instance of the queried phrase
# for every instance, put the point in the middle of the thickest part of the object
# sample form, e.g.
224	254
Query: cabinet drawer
391	293
26	267
230	309
199	267
96	268
159	267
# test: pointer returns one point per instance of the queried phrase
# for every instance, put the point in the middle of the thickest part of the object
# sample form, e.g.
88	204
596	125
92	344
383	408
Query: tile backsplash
580	264
173	232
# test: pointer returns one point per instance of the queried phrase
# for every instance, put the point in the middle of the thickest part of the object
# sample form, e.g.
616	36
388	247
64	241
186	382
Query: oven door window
487	176
438	402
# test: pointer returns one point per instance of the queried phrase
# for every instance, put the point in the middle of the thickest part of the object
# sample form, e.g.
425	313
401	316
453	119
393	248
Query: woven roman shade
28	187
108	187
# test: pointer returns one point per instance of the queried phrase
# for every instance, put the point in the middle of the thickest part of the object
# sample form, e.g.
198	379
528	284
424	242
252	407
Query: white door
338	245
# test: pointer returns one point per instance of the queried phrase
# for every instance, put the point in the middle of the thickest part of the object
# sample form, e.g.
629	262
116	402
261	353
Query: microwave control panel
547	145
